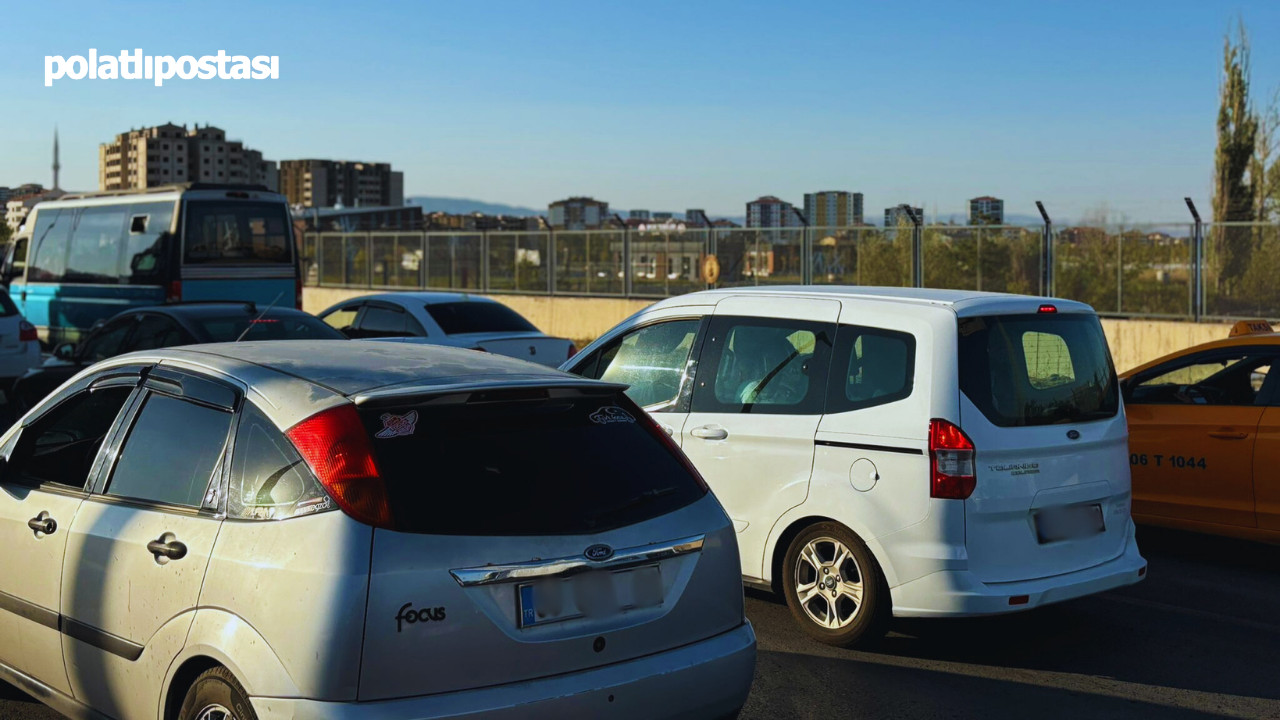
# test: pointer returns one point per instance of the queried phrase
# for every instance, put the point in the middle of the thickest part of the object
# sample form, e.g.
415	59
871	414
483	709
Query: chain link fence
1161	270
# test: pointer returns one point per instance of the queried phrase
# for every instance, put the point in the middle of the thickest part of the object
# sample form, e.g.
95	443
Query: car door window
764	365
651	360
171	452
343	319
1219	379
154	331
107	341
383	322
269	479
59	447
870	367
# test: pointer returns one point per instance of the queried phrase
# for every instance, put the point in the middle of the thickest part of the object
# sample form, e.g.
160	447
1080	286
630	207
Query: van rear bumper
707	680
957	593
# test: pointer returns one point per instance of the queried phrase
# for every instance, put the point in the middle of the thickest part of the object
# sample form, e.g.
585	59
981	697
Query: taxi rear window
1037	369
528	465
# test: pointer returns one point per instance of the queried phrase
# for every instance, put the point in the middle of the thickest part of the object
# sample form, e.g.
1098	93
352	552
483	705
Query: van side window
764	365
144	250
1231	379
870	367
269	479
49	240
651	360
94	256
59	447
171	452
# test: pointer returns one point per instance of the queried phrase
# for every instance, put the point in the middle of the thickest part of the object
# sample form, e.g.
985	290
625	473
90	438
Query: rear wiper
638	500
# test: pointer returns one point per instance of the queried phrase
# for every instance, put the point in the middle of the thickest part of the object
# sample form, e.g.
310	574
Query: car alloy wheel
216	712
828	583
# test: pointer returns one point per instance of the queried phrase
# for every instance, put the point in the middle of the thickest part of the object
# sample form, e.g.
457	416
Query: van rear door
1040	402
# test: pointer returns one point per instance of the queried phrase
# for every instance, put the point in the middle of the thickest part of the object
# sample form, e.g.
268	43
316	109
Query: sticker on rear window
611	414
398	425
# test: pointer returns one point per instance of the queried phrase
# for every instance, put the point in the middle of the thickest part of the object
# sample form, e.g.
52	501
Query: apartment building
578	213
169	153
986	210
341	183
770	212
833	208
638	215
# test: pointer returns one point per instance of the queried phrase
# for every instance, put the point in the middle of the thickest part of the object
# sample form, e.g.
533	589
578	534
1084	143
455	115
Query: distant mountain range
458	206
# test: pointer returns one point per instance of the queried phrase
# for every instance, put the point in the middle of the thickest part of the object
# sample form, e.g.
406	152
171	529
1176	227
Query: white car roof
962	302
423	298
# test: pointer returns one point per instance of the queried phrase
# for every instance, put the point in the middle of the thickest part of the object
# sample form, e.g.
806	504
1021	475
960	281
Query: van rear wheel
833	586
217	695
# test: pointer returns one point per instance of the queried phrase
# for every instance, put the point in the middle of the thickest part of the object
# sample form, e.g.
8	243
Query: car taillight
334	443
27	332
175	292
297	292
573	350
952	473
668	442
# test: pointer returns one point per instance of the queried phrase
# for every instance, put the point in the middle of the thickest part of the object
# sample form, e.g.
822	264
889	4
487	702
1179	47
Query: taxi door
1193	427
1266	459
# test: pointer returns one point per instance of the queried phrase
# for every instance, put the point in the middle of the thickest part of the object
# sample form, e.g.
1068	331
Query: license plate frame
570	605
1078	522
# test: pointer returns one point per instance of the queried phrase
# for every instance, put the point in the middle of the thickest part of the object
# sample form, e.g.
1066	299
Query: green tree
5	234
1234	185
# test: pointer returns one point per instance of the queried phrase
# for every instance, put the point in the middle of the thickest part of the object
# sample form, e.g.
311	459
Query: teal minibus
92	255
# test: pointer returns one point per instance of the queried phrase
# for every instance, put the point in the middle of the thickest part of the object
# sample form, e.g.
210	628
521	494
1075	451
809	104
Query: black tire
855	623
214	688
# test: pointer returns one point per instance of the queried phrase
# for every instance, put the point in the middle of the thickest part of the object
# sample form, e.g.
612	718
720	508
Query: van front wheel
833	586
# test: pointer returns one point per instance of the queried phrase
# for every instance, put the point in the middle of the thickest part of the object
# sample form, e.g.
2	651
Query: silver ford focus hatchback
316	530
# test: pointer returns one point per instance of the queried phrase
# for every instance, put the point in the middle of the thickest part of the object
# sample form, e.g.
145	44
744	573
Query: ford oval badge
1073	434
599	552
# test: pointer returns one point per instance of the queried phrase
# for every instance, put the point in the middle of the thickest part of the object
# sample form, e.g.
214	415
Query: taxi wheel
217	695
834	588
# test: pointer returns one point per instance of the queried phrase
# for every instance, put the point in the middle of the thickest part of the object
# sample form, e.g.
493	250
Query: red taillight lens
27	332
1048	309
654	429
334	443
952	472
573	350
175	292
297	292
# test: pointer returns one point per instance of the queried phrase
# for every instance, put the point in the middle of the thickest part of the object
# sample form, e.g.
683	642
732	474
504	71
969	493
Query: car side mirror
65	351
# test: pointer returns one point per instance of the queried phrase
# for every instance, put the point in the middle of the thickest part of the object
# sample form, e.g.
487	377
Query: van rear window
236	233
1037	369
536	466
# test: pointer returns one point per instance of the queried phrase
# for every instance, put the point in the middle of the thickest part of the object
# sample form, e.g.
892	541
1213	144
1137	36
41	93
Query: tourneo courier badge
598	552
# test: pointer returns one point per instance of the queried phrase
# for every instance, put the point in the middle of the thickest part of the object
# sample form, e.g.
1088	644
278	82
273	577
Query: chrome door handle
1229	435
710	432
42	523
173	549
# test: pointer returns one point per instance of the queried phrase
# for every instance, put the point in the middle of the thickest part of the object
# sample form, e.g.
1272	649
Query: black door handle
173	549
46	525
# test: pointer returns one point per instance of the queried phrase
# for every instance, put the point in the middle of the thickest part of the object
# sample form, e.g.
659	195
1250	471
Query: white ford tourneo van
887	451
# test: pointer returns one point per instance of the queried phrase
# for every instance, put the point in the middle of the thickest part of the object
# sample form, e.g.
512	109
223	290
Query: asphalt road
1199	638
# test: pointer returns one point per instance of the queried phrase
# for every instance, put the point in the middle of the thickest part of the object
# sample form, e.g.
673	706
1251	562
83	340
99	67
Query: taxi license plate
1069	523
597	594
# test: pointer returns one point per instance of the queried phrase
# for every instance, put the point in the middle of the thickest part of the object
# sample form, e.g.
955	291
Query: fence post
484	262
626	262
551	252
917	248
1046	253
1197	264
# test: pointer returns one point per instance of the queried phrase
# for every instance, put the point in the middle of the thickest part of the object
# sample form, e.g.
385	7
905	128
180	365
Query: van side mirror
65	351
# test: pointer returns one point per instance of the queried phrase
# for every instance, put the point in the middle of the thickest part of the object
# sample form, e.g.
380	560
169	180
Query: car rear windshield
289	327
477	317
540	466
1037	369
236	233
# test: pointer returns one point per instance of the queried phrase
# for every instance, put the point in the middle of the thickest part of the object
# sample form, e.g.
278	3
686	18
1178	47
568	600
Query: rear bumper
957	593
14	365
706	680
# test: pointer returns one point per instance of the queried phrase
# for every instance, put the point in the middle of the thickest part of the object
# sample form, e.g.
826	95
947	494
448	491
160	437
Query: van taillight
573	350
297	292
175	292
334	443
27	332
952	472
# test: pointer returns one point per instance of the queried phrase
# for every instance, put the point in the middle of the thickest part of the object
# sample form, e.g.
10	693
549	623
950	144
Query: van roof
962	302
161	193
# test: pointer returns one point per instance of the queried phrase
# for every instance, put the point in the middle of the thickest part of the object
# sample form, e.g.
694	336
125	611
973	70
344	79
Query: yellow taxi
1204	436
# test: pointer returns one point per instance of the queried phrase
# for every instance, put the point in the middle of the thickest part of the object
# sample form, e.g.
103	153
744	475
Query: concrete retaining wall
1133	342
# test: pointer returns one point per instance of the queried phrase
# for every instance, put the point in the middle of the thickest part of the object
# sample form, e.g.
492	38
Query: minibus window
49	238
1037	369
236	233
144	244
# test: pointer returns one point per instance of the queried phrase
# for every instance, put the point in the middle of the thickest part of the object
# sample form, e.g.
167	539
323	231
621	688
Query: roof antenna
264	312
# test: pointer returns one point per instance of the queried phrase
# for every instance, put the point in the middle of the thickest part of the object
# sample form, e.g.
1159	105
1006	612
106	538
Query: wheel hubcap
829	583
215	712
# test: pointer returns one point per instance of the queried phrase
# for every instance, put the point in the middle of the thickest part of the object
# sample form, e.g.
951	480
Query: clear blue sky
668	105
